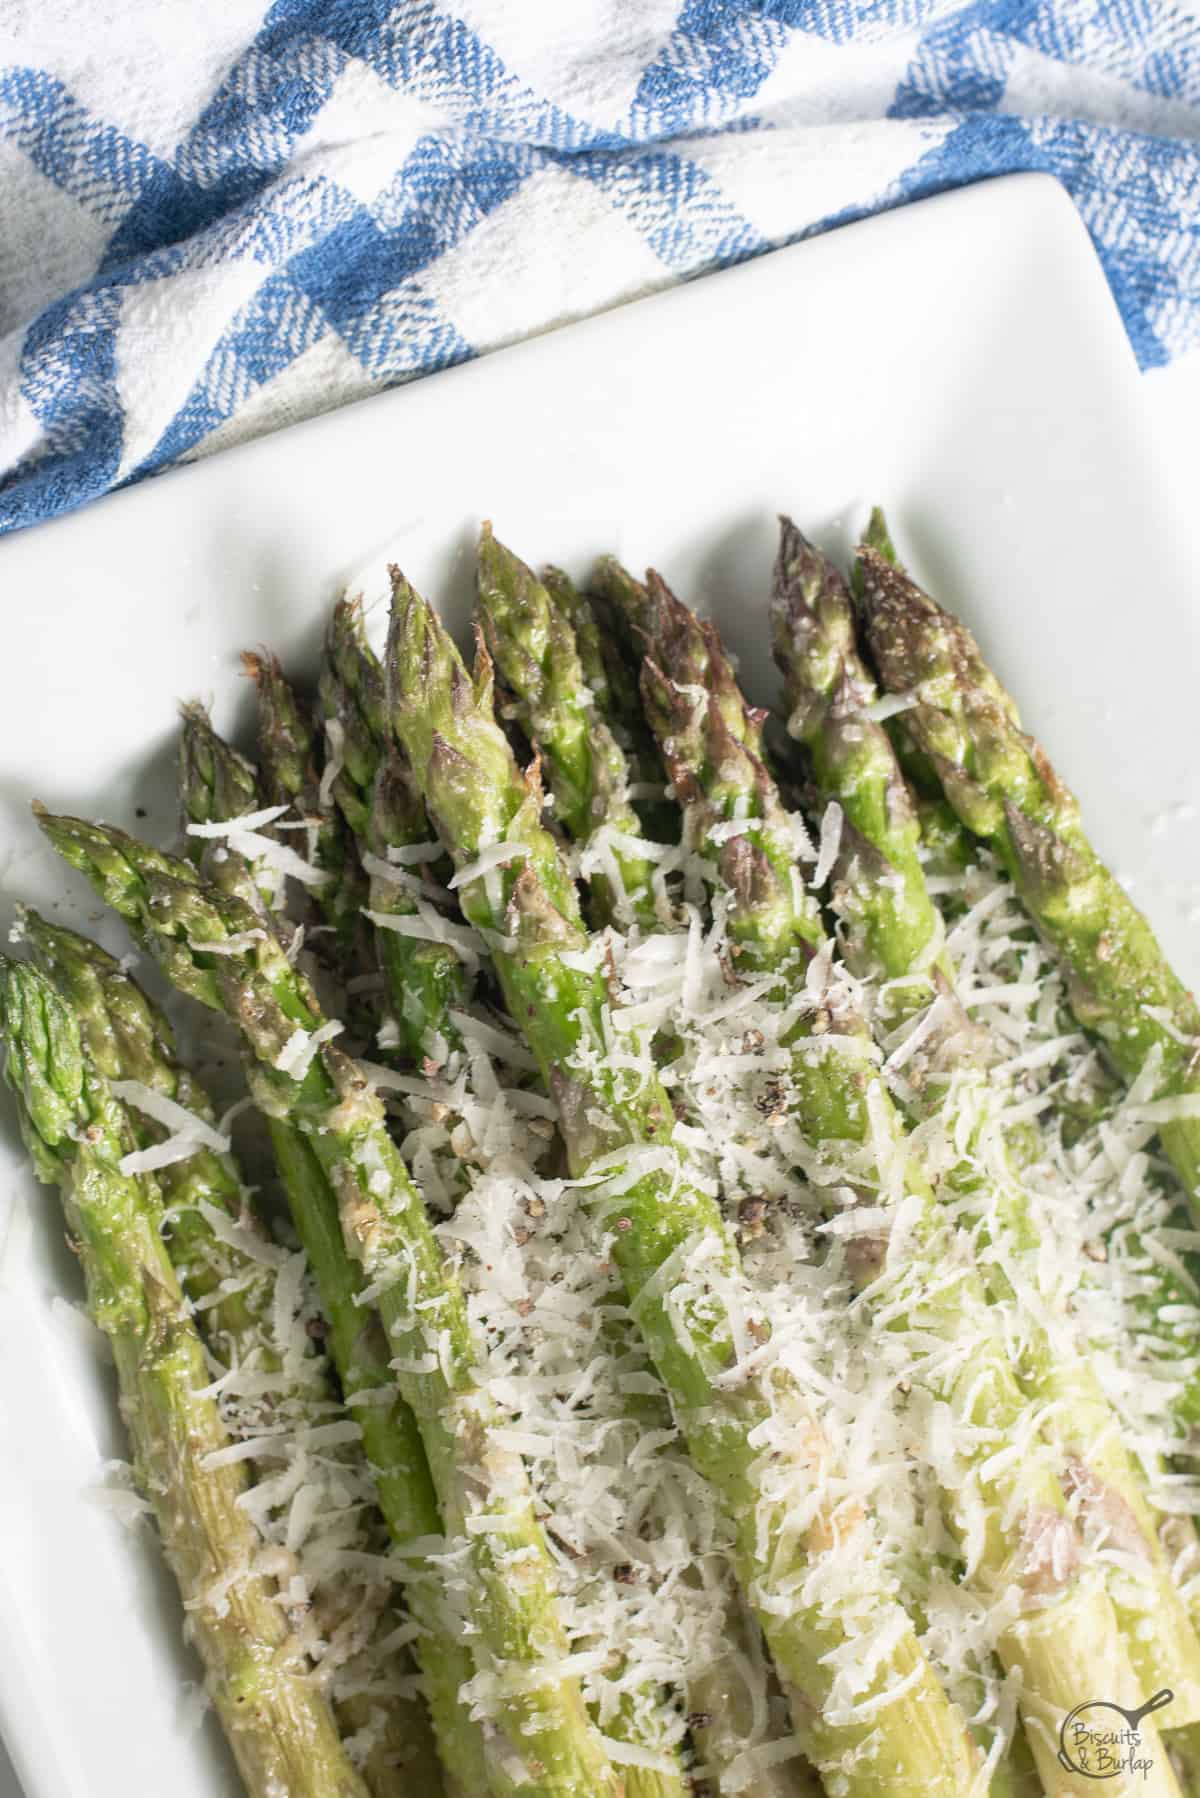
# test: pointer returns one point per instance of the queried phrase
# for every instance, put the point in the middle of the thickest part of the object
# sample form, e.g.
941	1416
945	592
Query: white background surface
650	501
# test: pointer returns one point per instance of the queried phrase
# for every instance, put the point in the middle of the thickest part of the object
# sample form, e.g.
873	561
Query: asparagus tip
790	533
346	624
260	665
194	715
878	537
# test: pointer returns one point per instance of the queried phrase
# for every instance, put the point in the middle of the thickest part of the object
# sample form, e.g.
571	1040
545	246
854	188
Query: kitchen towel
217	219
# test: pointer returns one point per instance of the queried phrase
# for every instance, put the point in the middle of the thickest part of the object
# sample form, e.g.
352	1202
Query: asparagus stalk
288	762
597	621
395	1453
534	645
882	899
544	638
711	748
391	1438
894	931
651	614
409	1503
126	1037
903	1735
611	665
291	775
581	615
352	691
216	783
1005	791
545	642
426	979
546	1744
946	844
280	1729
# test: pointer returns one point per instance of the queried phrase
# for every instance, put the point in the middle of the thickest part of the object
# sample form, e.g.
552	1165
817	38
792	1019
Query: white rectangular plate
960	360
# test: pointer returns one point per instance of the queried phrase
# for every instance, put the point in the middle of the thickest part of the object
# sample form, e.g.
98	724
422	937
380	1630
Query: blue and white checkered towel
217	219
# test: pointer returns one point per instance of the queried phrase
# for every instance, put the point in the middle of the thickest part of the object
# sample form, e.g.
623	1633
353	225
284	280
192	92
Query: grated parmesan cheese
174	1117
301	1048
490	858
409	855
830	845
244	837
335	737
427	925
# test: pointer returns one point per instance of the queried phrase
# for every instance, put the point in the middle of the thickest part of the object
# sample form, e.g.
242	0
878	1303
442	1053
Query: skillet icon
1092	1723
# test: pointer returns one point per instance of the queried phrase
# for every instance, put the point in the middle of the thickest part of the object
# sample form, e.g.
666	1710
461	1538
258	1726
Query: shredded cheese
335	738
175	1117
427	925
243	836
301	1049
831	841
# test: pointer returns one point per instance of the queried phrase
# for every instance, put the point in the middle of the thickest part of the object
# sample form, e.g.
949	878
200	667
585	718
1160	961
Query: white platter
960	360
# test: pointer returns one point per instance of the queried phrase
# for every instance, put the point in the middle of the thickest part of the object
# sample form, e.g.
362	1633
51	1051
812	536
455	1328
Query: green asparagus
903	1735
288	761
544	641
534	645
391	1434
1033	1445
360	1353
545	1742
892	931
216	783
426	979
281	1731
710	740
945	843
611	664
233	1290
514	611
882	900
1005	791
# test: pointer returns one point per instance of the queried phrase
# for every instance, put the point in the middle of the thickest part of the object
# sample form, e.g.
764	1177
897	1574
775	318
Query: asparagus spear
426	979
215	782
946	844
883	901
571	604
547	1744
610	664
358	1346
894	931
902	1735
288	760
766	849
126	1037
944	835
563	646
410	1505
535	647
711	749
281	1731
546	645
1005	791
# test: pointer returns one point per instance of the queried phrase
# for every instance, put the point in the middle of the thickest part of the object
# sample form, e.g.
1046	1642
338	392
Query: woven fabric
216	220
